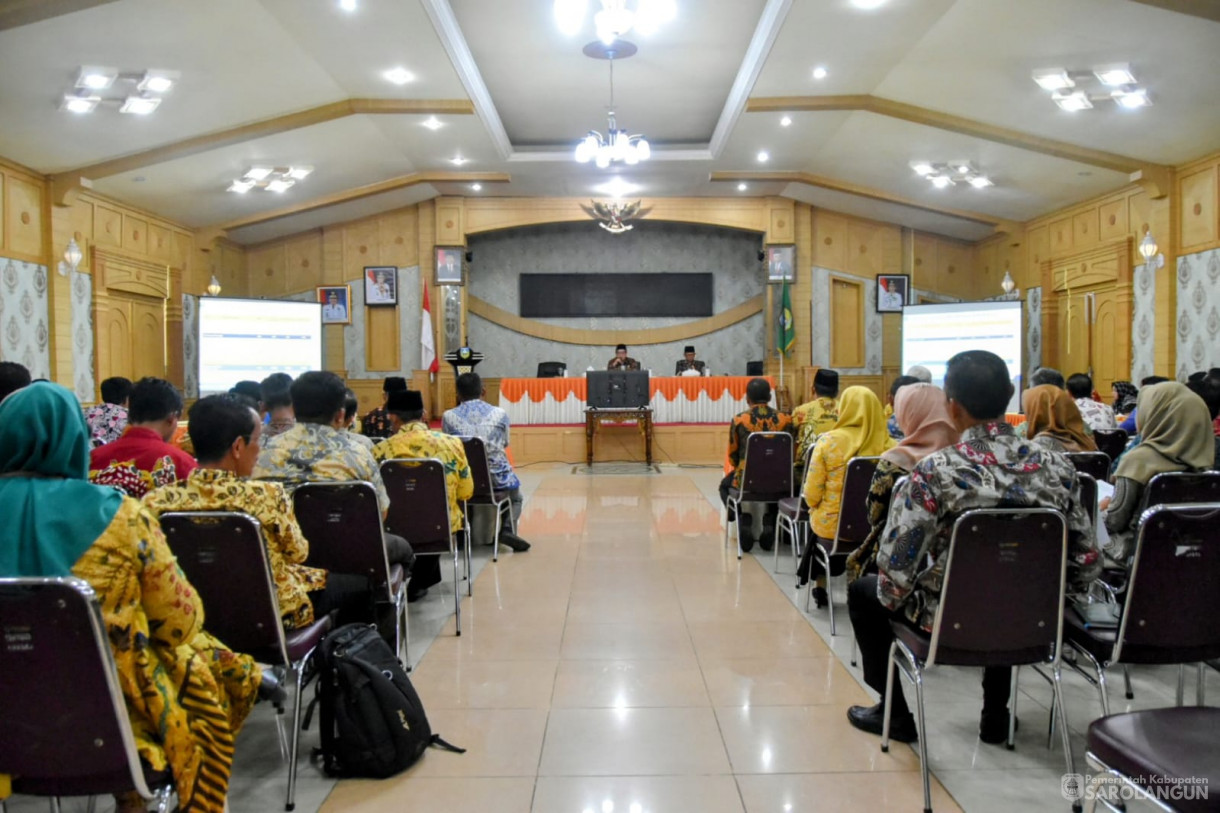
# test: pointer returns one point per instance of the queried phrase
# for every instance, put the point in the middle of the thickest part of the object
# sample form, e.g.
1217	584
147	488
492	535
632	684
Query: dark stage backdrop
657	294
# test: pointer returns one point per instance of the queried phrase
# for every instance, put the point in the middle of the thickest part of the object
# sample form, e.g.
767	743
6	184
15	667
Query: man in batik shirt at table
817	416
760	417
688	364
621	360
376	424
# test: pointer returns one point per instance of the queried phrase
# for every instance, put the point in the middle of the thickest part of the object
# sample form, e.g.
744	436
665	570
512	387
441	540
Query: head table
674	399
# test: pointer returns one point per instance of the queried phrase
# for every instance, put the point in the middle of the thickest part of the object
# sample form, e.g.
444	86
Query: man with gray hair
922	373
1046	375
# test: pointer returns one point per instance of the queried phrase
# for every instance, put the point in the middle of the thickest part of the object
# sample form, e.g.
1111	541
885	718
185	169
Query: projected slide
252	338
932	334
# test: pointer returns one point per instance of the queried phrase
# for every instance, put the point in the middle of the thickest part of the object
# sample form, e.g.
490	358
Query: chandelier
617	144
616	18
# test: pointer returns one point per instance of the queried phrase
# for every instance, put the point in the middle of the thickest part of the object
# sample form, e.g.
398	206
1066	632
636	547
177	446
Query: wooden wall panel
1112	217
399	240
361	247
780	221
108	226
135	234
381	346
924	262
829	240
160	243
873	248
846	323
303	262
953	275
2	210
1062	236
265	267
1198	225
450	226
23	218
1085	229
1038	251
231	270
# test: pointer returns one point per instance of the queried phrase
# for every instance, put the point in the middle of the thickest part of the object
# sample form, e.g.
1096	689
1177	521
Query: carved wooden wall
133	322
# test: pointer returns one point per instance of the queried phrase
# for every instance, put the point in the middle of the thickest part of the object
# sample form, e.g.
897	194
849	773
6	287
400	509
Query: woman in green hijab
187	695
1175	435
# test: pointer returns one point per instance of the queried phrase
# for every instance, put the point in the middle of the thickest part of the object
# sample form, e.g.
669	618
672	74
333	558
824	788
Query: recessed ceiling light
79	104
1072	102
616	187
942	181
258	173
868	5
785	121
157	81
1053	79
399	75
741	187
347	5
241	187
476	187
139	105
981	182
1114	75
280	185
298	173
458	160
1131	99
763	156
432	123
819	72
93	78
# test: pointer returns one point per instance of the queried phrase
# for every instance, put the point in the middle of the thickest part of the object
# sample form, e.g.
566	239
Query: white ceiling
535	94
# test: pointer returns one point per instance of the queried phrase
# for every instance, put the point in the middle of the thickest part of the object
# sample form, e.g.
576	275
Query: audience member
989	467
920	373
1174	426
351	411
227	436
1208	388
760	417
1046	375
811	419
1050	413
412	438
859	432
276	392
474	417
891	416
1130	423
376	424
1124	397
143	457
923	416
186	694
1095	414
108	419
13	376
254	391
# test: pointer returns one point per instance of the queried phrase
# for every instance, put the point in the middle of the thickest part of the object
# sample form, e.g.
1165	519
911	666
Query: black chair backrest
1088	496
767	467
480	471
419	504
853	525
223	555
1002	595
342	522
1173	604
754	368
1110	441
1179	487
65	729
1094	464
551	369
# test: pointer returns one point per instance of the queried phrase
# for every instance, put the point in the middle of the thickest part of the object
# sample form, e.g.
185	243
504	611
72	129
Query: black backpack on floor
373	724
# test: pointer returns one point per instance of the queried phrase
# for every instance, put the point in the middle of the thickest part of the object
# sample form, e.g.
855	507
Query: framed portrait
448	265
380	285
893	292
336	304
781	263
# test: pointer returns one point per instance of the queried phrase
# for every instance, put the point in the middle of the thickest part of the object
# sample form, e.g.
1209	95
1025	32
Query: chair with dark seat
1177	554
792	519
766	476
66	731
224	557
342	522
1170	749
551	369
1111	441
851	531
1094	464
419	513
485	494
1182	487
1001	604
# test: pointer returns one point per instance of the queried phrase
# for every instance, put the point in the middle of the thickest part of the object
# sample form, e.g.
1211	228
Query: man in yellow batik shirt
412	438
817	416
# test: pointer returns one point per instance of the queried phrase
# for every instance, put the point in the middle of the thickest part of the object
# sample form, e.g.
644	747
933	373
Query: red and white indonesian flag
427	347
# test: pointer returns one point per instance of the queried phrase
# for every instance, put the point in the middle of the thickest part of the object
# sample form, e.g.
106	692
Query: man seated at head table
621	360
688	365
990	467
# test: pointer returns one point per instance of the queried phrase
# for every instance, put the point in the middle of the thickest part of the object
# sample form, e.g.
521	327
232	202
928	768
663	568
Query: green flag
785	330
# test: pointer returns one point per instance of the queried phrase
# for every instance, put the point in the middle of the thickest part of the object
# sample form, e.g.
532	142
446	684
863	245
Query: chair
342	522
793	519
66	731
1174	750
551	369
485	493
853	527
1094	464
1112	442
1177	554
224	557
1181	487
419	512
766	476
1001	604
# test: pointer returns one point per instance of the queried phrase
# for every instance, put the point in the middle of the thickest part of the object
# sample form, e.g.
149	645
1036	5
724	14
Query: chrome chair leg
853	649
1201	686
889	700
1127	682
457	594
923	740
1012	712
1181	683
1063	726
299	668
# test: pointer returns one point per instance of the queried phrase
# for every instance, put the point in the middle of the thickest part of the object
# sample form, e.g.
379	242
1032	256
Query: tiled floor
630	663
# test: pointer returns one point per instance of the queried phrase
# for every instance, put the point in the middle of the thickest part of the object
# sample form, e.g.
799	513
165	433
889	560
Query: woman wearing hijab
859	432
1125	394
186	694
923	416
1051	413
1175	435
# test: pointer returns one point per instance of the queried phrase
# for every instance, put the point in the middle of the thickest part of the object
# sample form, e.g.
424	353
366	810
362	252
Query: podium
463	360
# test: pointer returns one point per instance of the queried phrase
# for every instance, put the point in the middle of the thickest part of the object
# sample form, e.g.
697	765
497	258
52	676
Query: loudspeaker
762	255
469	256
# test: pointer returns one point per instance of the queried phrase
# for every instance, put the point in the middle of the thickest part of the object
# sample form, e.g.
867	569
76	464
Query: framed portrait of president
449	265
781	262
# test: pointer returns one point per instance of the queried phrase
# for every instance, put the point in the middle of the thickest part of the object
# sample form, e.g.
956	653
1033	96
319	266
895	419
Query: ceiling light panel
139	105
258	173
819	72
1131	99
432	123
157	81
868	5
280	185
93	78
1114	75
79	104
1053	79
1072	102
763	156
398	76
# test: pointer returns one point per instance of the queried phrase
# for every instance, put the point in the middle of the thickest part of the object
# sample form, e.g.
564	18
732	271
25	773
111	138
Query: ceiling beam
1207	9
368	190
262	129
955	124
16	13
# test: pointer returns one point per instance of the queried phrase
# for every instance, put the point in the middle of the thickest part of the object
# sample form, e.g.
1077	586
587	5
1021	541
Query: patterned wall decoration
1143	322
25	335
190	345
820	324
409	296
1198	312
82	337
1033	330
731	256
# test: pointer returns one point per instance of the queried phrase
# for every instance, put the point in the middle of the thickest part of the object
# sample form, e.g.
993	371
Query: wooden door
113	339
1073	356
148	338
846	323
1109	350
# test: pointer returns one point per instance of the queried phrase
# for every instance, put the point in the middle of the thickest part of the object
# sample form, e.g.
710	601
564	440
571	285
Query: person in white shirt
333	311
1096	414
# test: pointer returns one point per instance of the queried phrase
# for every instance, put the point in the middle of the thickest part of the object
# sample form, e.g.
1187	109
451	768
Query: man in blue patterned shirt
474	417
